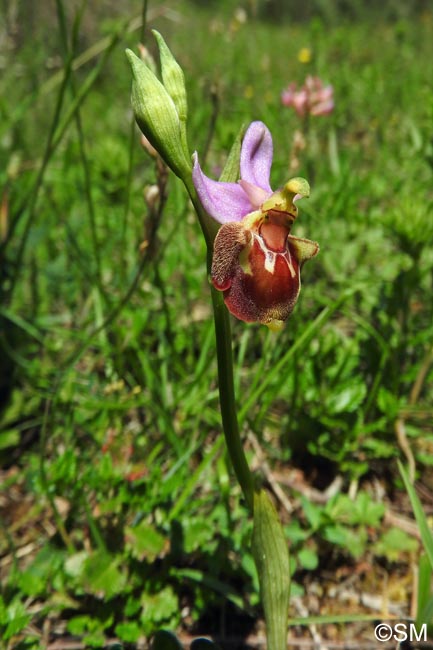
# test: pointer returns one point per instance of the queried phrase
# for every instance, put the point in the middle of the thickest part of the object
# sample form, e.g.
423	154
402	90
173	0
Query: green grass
119	507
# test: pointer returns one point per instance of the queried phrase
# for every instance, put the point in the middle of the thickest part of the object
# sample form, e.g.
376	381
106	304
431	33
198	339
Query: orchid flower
256	261
313	98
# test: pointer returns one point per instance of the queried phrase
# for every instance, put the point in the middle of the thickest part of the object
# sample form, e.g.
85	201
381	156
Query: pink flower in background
313	98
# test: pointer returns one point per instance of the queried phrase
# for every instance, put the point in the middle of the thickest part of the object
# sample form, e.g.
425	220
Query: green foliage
13	618
393	543
342	522
114	469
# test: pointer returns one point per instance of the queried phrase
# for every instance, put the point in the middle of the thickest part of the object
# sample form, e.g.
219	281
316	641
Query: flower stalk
227	397
223	339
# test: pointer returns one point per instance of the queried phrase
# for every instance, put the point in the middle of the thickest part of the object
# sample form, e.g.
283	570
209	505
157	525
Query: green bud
172	77
157	116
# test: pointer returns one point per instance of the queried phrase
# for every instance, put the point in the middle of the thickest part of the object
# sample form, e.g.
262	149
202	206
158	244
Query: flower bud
157	116
172	77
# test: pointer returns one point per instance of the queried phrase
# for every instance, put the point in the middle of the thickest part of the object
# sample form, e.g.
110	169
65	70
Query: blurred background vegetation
119	512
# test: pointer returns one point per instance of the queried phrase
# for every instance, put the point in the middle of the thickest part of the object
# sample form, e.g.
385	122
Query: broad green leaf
393	543
9	438
79	625
159	607
128	632
353	541
145	542
308	559
94	640
102	575
361	510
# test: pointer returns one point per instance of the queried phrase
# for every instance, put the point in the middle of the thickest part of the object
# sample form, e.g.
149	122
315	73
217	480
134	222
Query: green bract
160	108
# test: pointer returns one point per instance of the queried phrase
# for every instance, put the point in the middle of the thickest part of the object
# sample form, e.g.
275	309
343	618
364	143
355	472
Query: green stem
226	386
208	225
227	397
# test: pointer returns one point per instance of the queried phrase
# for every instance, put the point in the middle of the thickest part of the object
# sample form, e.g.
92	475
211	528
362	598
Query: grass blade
421	520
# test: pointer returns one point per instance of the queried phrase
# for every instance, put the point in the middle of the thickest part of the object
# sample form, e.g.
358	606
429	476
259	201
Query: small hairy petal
224	202
256	156
231	239
305	248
